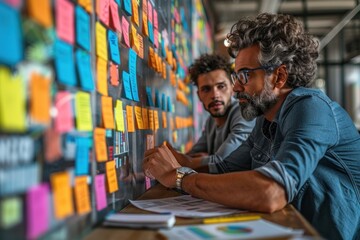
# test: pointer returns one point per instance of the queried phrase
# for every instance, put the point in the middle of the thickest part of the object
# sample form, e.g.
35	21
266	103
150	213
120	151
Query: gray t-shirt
219	142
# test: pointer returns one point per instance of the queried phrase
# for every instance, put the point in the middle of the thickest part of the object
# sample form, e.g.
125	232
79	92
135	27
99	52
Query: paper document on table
185	206
151	221
239	230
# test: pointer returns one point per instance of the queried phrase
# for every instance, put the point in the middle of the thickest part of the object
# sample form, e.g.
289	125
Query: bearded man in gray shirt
225	129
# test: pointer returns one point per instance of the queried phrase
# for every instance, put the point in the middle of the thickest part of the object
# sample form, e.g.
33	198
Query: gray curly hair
282	40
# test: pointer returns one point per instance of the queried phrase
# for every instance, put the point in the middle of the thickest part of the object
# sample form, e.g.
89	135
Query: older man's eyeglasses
242	76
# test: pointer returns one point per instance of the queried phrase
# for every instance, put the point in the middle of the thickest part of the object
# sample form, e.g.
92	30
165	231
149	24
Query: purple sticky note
100	192
37	207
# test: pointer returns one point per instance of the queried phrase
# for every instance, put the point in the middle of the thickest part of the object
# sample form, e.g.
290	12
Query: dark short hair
207	63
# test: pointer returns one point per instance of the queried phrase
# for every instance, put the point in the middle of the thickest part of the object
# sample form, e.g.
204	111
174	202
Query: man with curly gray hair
304	148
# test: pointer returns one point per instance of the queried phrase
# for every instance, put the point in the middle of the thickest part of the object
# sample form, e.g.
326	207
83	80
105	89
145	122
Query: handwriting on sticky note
111	177
138	116
145	117
83	63
100	192
102	85
82	197
102	9
82	28
114	19
100	144
82	156
151	119
107	112
65	20
130	118
64	63
119	116
133	80
101	46
62	194
83	111
114	48
125	31
126	85
135	12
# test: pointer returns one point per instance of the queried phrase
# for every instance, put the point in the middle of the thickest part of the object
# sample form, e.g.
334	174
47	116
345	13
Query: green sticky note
11	212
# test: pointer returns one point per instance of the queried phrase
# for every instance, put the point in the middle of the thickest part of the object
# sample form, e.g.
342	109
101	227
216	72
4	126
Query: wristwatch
181	172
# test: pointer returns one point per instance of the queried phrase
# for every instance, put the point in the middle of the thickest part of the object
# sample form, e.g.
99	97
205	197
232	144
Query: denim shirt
312	149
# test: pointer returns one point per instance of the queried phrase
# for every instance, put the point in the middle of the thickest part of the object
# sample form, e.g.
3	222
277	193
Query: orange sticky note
138	117
83	111
107	112
145	118
87	4
151	58
102	10
134	40
164	70
114	13
140	52
101	43
100	144
151	119
119	116
135	12
145	29
114	74
82	197
65	20
61	187
164	120
40	11
130	118
111	177
40	98
102	85
156	119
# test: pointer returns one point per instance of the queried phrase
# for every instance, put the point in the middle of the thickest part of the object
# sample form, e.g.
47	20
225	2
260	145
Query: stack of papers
152	221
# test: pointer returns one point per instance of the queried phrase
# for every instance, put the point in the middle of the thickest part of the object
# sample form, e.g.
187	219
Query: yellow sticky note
40	11
130	118
119	116
156	119
102	85
101	45
83	111
87	4
151	119
100	144
10	212
111	177
40	98
135	12
164	120
82	197
145	118
12	102
63	204
107	112
138	117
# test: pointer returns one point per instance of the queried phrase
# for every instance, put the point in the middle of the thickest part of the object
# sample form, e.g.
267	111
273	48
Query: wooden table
288	217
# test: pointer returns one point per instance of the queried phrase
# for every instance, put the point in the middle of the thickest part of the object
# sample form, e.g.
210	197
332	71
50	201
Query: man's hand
182	159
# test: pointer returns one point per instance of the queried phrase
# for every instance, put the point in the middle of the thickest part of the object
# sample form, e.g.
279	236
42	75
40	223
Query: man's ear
282	76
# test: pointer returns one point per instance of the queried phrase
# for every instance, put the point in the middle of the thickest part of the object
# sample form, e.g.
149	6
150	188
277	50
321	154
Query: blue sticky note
163	52
163	102
83	64
127	7
82	156
11	36
132	68
126	85
157	98
64	63
149	97
151	32
82	28
114	47
169	107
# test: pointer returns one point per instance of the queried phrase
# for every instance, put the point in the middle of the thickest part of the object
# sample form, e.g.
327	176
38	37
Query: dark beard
218	115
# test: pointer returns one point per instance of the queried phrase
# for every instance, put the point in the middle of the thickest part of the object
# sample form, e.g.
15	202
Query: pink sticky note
125	31
37	207
156	22
150	12
65	20
100	192
115	20
63	121
103	11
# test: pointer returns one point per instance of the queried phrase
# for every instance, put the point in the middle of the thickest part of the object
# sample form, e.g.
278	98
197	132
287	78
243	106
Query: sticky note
145	117
107	112
127	7
133	80
144	28
65	20
11	212
102	85
126	85
157	99
37	210
151	32
114	47
103	11
130	118
169	108
82	196
151	119
114	19
87	4
62	194
83	64
82	156
83	111
101	46
164	120
12	102
40	98
119	116
11	36
100	144
52	145
140	41
133	38
125	31
64	63
100	192
156	119
114	74
149	97
82	28
150	12
63	121
135	12
40	11
155	18
163	102
111	176
138	116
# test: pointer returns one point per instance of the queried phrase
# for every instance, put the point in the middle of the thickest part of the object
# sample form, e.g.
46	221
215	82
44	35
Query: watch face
184	170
